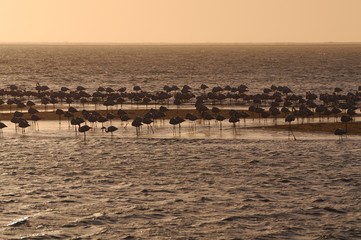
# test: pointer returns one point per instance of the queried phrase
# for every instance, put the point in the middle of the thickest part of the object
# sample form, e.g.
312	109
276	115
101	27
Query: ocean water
317	68
197	184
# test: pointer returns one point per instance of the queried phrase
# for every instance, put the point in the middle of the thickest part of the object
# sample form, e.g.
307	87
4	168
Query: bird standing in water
84	129
2	125
290	118
340	132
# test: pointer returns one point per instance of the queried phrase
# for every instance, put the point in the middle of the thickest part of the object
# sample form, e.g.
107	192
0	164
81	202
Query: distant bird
110	117
32	111
30	103
84	129
2	125
102	120
77	121
204	87
207	116
148	121
163	109
68	115
59	112
111	129
233	119
137	123
220	118
176	121
72	110
346	119
18	114
16	121
193	118
121	112
35	118
340	132
124	118
23	124
215	110
137	88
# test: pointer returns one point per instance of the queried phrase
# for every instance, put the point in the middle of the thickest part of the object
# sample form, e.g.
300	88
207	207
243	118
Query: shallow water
252	184
199	183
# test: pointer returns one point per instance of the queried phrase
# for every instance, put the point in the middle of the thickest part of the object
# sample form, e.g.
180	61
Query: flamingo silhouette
125	118
2	125
84	129
220	118
346	119
192	118
233	119
148	121
68	115
137	123
111	129
207	116
59	112
102	120
176	121
340	132
16	121
35	118
76	122
32	111
23	124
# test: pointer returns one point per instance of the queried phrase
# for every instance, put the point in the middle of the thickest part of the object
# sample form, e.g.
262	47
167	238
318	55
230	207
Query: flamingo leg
290	130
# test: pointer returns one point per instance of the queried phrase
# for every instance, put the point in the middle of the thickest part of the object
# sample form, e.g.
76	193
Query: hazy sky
128	21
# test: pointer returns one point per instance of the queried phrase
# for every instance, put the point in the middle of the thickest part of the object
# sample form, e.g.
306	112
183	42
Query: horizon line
172	43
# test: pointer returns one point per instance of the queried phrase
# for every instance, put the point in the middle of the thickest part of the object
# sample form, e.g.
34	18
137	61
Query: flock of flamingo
275	101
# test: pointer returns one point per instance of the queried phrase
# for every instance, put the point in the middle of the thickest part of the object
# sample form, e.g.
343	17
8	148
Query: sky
180	21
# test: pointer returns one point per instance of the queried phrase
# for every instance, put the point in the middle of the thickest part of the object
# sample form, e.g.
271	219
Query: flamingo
102	120
137	123
72	110
68	115
137	88
111	129
204	87
35	118
345	119
59	112
76	121
339	132
121	112
16	121
23	124
110	117
192	118
18	114
207	116
125	118
2	125
220	118
84	129
148	121
174	121
32	111
233	119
